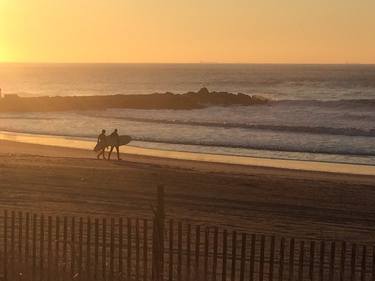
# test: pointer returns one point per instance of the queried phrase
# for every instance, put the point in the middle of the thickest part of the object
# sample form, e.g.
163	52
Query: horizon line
194	63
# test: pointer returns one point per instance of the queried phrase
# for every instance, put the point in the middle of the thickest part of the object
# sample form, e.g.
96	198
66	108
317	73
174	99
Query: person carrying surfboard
116	143
102	139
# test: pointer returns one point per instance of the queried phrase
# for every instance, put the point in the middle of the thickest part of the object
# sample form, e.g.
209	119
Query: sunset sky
239	31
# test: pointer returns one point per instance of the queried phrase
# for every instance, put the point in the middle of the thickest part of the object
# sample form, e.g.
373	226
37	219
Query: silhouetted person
116	143
102	140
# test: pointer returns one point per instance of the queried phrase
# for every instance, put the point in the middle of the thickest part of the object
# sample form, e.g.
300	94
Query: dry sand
260	200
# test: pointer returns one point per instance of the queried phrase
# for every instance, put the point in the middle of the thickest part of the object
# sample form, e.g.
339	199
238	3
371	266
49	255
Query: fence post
158	237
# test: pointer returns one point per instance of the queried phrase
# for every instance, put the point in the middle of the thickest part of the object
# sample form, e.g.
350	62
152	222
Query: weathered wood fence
36	247
39	247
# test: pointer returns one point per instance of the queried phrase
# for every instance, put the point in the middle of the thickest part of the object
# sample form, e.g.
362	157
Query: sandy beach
69	181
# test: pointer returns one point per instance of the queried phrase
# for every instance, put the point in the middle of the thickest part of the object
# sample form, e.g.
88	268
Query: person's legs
110	152
100	154
118	153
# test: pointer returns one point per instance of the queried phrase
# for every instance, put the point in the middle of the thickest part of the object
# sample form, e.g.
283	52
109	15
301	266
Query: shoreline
296	165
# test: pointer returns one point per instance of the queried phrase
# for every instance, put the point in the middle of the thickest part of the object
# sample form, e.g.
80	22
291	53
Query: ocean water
318	112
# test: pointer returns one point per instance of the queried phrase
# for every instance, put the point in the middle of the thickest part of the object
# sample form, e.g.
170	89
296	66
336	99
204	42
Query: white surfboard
122	140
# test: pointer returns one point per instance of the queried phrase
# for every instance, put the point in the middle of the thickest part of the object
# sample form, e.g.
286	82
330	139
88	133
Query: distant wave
274	128
269	147
349	103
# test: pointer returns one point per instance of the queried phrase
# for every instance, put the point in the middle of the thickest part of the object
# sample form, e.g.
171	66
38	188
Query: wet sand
88	144
256	199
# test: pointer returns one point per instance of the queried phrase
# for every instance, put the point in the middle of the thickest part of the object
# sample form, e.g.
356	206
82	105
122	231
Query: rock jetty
191	100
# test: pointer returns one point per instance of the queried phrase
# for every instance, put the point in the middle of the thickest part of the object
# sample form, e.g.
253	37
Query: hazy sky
248	31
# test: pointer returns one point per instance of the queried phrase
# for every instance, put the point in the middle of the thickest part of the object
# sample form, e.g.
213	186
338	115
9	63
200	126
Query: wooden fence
39	247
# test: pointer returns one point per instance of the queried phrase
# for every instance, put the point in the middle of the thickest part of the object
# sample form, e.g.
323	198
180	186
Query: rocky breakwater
191	100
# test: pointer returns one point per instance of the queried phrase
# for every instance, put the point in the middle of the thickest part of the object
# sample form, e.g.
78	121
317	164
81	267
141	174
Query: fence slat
137	250
145	249
104	248
171	238
332	261
96	249
49	248
41	248
243	257
353	262
197	251
179	250
312	260
234	256
342	262
188	253
27	243
272	258
20	235
281	259
12	244
215	250
363	264
373	263
72	248
252	257
5	245
225	246
34	247
291	259
88	249
120	247
80	249
112	250
261	261
65	245
57	245
206	252
301	260
129	249
321	264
